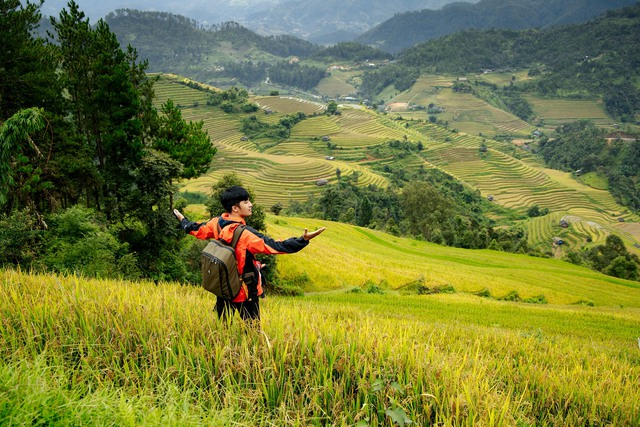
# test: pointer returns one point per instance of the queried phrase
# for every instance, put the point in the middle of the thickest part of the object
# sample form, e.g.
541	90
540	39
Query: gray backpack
220	268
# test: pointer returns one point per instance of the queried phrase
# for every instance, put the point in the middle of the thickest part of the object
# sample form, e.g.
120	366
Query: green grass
595	180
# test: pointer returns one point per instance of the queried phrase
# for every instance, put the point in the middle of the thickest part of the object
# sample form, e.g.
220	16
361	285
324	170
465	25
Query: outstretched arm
201	230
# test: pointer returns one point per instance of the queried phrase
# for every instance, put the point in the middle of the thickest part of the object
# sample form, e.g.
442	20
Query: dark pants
249	310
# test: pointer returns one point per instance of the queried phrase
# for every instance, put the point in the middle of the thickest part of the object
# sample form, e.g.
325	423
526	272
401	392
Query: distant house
326	138
536	133
620	219
490	198
322	182
244	138
558	241
564	223
329	158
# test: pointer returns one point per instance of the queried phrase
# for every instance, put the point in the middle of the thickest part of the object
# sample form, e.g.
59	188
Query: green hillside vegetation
575	60
180	45
407	29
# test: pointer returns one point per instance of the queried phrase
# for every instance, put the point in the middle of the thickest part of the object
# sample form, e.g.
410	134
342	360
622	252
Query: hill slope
287	171
400	264
407	29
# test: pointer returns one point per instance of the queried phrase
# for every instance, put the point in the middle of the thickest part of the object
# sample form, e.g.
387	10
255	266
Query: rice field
289	170
555	112
463	111
276	178
172	87
77	351
335	86
288	105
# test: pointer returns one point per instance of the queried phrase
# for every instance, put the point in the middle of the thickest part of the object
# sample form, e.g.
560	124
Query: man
237	205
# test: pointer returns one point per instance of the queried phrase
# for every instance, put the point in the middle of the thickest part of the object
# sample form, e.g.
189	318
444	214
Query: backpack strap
236	233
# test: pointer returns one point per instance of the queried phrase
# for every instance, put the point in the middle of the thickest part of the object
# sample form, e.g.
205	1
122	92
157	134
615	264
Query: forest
597	59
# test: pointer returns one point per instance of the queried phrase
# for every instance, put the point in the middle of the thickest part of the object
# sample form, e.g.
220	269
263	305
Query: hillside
287	171
401	265
174	43
577	61
410	28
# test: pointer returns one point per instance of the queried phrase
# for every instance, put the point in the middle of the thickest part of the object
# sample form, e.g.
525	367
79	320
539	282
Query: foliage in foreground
80	352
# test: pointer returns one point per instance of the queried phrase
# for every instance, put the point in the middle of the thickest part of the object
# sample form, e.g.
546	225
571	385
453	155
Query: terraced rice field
542	230
474	116
335	86
362	128
555	112
288	105
423	90
504	79
315	127
169	87
277	178
463	111
289	170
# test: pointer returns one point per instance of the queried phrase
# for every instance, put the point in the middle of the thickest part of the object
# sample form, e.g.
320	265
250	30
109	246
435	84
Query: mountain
332	20
597	59
174	43
325	21
407	29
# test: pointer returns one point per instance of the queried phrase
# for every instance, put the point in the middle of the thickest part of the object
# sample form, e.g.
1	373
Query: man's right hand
178	215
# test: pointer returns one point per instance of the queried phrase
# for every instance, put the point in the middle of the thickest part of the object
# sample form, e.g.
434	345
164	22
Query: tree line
429	205
283	73
87	163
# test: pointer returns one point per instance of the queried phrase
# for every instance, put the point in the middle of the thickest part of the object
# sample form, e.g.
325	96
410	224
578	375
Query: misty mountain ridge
331	21
320	21
410	28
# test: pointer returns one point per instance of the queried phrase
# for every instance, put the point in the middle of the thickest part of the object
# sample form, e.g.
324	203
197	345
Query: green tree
365	212
623	268
16	149
27	64
187	143
426	210
332	107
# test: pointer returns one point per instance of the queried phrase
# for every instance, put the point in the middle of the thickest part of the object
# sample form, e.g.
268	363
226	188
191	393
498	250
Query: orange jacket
251	242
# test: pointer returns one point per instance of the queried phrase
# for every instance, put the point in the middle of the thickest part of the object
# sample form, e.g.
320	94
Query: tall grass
92	352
